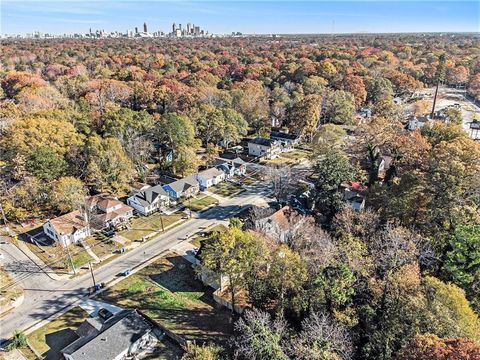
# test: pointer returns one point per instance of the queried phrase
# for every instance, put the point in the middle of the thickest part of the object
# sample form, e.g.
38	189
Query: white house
287	140
210	177
268	148
107	211
68	229
231	167
149	200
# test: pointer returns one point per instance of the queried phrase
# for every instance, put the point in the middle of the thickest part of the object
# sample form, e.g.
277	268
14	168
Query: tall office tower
174	28
180	26
197	30
136	30
189	27
145	27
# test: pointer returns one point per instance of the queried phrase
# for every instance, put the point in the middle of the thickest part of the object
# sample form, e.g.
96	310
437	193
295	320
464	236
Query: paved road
44	297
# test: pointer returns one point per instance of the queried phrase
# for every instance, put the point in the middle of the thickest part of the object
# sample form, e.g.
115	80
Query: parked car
125	272
105	314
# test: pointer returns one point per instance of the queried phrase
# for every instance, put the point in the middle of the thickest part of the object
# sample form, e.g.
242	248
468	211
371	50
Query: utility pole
71	262
439	76
161	221
91	272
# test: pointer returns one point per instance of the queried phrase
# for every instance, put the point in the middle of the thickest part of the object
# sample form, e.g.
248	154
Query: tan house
107	211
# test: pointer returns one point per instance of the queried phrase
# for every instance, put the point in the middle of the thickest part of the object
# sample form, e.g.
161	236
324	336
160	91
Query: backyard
225	188
169	293
146	225
289	158
58	333
200	203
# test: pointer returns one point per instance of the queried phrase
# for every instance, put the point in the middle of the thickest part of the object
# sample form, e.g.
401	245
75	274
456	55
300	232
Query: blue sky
68	16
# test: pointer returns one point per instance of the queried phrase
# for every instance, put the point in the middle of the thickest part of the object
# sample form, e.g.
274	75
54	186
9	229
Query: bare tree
321	338
260	337
281	180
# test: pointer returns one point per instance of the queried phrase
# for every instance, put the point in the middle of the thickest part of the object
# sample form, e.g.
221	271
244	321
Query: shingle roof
263	141
282	135
210	173
69	223
148	196
116	335
184	184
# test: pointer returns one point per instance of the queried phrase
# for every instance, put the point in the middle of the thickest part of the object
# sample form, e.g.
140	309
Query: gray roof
184	184
148	196
263	141
116	335
283	136
210	173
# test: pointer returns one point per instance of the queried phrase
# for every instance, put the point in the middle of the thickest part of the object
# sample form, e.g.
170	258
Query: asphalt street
44	297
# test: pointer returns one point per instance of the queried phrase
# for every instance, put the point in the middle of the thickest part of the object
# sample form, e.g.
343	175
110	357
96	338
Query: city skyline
264	17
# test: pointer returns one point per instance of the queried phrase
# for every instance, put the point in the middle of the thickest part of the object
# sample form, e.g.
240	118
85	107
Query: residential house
126	334
210	177
262	147
68	229
287	140
354	195
185	187
107	211
149	200
278	224
138	186
231	167
417	122
383	164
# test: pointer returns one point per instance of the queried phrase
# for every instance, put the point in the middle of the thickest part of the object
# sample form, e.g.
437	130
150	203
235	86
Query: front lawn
57	257
169	293
58	333
225	188
145	225
200	203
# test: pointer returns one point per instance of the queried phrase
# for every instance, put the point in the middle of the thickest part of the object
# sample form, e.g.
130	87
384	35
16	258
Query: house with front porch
263	147
210	177
185	187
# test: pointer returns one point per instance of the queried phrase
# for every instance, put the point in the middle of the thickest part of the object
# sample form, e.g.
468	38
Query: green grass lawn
200	203
225	188
145	225
55	335
169	293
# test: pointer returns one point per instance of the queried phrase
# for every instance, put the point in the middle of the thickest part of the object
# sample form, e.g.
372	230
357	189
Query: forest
399	280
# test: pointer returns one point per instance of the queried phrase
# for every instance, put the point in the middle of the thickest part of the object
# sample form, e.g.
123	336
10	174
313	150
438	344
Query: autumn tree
355	85
379	89
431	347
304	116
232	254
68	194
109	168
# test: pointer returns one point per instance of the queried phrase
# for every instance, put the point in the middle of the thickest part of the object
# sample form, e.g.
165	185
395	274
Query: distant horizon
248	17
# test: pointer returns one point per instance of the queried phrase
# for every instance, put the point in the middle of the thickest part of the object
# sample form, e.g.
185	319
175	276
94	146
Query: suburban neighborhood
189	195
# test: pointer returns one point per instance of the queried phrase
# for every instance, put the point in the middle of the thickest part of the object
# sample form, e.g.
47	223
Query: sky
261	17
